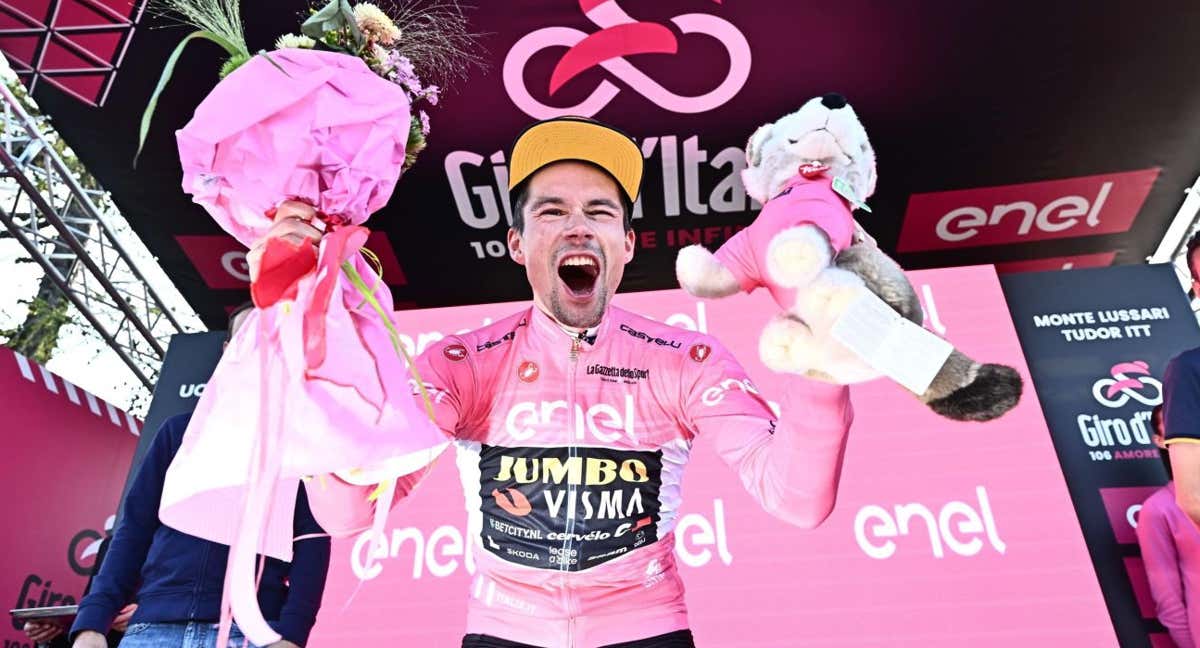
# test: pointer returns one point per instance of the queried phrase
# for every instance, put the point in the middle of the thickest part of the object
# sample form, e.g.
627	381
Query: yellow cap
575	138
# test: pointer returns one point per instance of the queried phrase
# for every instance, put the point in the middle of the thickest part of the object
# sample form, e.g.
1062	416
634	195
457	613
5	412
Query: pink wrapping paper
332	133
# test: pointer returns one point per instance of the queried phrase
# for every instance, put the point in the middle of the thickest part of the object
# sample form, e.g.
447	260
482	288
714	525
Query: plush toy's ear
861	174
755	144
753	177
867	162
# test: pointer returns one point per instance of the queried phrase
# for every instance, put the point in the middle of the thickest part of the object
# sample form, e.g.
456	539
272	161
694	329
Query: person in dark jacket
182	576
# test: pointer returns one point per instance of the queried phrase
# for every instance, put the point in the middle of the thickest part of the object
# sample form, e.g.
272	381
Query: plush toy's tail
965	390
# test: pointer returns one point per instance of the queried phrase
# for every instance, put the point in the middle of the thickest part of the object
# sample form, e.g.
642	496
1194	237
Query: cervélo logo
1034	211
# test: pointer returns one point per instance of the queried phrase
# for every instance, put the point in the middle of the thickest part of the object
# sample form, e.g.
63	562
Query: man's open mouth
579	273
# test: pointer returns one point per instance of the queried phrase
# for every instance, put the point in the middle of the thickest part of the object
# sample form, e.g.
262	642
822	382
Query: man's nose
578	227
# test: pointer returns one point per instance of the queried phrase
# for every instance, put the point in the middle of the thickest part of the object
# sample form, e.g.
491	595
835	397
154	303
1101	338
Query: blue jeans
179	635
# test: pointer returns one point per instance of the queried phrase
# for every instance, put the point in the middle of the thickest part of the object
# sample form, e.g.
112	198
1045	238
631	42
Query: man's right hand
42	631
121	623
293	222
90	639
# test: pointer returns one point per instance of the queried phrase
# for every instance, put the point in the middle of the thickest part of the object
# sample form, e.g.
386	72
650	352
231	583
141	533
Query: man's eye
551	212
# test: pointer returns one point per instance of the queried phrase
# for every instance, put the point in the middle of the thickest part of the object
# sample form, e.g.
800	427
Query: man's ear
630	245
515	249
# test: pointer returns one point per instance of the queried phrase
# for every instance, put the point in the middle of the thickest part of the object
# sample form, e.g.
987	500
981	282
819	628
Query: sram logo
958	526
1085	206
602	421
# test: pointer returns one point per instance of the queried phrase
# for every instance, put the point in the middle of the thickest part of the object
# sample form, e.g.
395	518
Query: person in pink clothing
573	420
1170	545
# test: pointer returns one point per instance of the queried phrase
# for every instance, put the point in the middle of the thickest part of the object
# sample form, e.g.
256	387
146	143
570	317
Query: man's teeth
578	261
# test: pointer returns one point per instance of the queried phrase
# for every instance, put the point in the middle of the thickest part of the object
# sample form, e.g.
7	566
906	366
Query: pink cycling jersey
572	453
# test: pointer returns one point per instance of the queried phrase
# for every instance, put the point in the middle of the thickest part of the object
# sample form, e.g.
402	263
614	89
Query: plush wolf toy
816	165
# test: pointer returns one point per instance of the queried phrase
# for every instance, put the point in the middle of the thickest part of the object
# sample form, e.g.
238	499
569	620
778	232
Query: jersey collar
552	331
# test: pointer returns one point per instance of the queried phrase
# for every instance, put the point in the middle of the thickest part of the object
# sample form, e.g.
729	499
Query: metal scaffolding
43	206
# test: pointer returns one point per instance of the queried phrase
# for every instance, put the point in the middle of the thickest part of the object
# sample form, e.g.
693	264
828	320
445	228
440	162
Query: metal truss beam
44	208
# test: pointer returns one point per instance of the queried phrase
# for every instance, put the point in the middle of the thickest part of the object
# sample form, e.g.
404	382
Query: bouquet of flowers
316	380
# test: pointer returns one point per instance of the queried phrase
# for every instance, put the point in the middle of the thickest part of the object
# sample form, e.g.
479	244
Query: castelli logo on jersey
1020	213
700	352
455	352
528	371
619	36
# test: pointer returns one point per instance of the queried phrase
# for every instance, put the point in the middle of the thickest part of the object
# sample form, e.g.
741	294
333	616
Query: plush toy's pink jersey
802	201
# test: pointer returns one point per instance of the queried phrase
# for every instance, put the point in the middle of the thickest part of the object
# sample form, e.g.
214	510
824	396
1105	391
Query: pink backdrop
945	534
66	454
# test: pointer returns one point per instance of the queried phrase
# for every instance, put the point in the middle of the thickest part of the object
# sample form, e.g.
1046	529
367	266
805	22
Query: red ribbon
285	263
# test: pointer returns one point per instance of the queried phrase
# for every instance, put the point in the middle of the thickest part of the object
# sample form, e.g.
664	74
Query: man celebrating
573	420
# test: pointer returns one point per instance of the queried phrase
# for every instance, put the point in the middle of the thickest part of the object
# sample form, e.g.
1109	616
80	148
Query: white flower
294	41
375	24
379	56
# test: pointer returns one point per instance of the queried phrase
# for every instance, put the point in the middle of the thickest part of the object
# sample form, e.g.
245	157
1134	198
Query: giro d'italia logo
620	36
1128	381
85	545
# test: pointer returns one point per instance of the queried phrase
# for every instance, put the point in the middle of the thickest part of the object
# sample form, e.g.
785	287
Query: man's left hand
284	643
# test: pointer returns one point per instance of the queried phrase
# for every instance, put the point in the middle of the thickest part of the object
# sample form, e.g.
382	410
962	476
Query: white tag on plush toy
842	188
892	345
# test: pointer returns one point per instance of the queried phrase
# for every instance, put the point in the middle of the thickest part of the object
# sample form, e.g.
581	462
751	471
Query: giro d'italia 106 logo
1128	381
619	35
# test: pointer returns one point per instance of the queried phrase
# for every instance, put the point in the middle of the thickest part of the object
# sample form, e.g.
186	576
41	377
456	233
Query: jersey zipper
572	489
569	526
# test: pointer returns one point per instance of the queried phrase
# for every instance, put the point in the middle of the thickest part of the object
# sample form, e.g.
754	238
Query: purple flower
403	73
424	122
431	94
